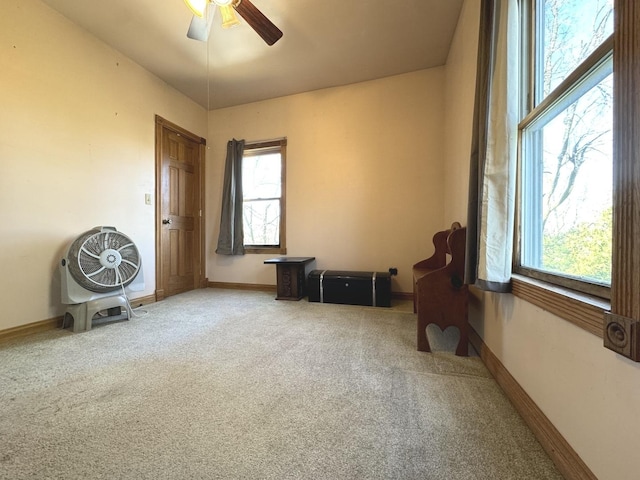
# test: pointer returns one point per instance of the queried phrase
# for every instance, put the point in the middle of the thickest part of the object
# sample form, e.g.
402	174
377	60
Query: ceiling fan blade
256	19
200	27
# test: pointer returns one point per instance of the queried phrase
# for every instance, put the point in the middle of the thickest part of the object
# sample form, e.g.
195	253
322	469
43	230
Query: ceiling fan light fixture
199	28
198	7
229	18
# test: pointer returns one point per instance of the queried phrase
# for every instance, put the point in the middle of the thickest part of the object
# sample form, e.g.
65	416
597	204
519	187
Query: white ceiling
326	43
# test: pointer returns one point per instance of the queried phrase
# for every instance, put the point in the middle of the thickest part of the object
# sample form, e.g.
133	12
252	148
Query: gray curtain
493	166
231	237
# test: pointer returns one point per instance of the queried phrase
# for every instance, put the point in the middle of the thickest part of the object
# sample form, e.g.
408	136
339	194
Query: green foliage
583	251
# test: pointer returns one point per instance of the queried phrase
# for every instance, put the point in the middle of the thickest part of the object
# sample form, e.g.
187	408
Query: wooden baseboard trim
31	328
56	322
243	286
561	453
402	296
140	301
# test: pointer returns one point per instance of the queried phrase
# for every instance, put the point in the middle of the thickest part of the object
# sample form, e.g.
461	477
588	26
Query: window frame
625	283
591	292
280	146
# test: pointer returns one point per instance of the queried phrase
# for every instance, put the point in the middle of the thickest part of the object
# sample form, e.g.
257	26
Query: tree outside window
566	138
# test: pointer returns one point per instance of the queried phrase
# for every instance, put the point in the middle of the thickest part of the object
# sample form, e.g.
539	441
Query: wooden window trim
625	281
281	144
587	312
584	311
536	109
266	250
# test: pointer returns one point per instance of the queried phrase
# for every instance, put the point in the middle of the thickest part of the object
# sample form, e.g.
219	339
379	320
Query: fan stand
82	313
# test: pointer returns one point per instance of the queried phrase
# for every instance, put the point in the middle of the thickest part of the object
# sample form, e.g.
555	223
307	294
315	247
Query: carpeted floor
221	384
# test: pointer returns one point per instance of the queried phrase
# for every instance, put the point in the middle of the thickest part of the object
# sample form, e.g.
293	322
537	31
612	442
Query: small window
263	190
566	156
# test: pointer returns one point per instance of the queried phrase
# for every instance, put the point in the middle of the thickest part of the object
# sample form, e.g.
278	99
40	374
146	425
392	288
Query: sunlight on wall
364	175
77	150
589	393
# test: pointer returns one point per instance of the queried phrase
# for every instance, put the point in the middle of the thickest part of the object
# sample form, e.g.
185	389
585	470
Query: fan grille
102	260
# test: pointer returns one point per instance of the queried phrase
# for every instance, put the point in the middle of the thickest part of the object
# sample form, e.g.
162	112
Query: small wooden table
291	276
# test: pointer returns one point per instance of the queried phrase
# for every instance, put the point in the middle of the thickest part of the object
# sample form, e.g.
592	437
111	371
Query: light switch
147	199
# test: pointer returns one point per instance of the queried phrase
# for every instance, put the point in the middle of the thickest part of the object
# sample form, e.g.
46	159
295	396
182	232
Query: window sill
583	310
268	250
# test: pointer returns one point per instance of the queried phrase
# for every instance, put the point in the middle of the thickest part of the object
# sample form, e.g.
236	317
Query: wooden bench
439	293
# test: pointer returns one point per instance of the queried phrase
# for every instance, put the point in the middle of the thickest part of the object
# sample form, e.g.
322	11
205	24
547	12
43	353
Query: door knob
166	221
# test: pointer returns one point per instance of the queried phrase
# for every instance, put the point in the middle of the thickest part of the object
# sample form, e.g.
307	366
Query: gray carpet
220	384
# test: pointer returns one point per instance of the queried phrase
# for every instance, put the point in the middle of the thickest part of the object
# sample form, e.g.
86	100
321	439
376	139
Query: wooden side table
291	276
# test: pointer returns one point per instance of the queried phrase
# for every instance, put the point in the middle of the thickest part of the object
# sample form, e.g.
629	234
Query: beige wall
589	393
460	74
76	150
364	175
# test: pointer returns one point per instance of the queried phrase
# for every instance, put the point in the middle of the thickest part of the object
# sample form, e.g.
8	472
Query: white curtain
494	148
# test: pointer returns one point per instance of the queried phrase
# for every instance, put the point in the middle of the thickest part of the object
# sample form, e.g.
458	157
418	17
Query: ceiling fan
204	12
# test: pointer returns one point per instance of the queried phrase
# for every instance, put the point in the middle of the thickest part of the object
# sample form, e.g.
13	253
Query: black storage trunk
351	288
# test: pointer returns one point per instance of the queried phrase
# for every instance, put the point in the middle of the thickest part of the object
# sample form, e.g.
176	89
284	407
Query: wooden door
179	256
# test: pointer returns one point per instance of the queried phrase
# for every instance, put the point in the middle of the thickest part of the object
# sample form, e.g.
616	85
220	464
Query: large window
566	139
263	189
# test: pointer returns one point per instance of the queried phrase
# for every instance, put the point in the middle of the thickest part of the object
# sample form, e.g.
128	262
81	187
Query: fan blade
261	24
200	27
